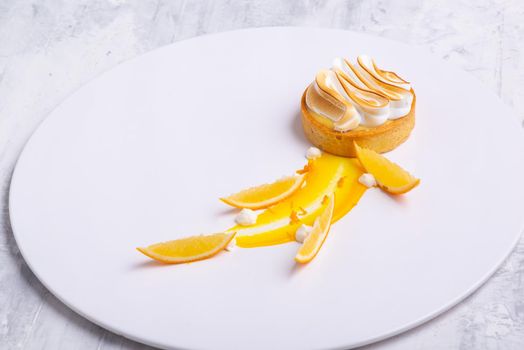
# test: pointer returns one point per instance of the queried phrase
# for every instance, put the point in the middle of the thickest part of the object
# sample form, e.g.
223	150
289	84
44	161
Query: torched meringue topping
349	95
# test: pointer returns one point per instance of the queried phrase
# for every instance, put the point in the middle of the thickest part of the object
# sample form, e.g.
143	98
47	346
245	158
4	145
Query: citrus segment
390	176
319	232
266	195
188	249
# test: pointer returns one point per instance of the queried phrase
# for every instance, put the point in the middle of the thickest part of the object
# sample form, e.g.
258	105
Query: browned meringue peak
368	64
327	105
327	97
363	97
393	93
400	98
392	77
342	66
374	109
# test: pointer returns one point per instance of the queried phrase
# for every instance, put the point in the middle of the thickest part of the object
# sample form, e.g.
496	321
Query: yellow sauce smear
325	175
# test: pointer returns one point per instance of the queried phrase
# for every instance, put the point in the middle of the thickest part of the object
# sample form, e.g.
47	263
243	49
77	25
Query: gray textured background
50	48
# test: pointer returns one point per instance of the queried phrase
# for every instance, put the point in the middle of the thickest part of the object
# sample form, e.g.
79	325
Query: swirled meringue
352	95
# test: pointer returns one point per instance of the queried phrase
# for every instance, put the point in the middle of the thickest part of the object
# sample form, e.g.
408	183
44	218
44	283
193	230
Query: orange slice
390	176
264	196
188	249
318	234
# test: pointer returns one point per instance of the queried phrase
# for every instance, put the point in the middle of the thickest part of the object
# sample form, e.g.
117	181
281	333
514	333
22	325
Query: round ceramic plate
141	155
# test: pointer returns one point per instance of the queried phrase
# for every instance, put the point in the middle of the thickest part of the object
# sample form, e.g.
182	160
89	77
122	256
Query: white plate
141	154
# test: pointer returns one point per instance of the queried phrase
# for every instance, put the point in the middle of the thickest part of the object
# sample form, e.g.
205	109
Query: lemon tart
357	103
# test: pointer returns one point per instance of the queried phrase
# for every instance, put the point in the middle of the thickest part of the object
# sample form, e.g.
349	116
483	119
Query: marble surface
48	49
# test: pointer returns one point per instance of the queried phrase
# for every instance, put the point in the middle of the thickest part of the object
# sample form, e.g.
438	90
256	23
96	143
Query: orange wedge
188	249
318	234
264	196
390	176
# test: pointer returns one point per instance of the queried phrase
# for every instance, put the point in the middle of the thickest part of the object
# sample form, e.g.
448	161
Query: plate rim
145	340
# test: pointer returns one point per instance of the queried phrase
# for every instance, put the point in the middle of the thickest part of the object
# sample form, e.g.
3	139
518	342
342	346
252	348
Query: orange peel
389	176
188	249
319	232
267	195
